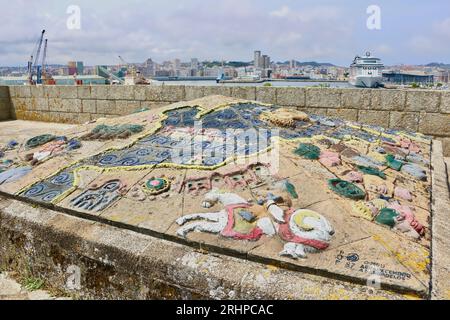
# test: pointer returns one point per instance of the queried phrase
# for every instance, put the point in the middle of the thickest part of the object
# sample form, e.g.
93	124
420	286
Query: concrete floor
19	130
11	290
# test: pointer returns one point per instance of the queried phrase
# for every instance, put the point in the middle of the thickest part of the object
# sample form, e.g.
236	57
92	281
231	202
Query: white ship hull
366	81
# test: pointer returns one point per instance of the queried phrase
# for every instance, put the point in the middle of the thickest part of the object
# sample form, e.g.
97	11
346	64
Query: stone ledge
418	100
122	264
440	284
323	97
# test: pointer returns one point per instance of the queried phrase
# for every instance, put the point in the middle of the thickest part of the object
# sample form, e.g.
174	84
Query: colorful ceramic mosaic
336	186
157	186
104	132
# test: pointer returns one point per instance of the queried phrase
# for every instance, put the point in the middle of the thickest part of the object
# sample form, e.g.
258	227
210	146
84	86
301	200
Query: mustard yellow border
203	111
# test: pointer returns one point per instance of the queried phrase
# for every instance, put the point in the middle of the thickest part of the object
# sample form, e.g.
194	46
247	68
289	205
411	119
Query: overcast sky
412	32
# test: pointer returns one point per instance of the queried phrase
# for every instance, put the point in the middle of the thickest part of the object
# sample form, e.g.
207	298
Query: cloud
308	14
433	43
231	30
384	49
284	11
443	28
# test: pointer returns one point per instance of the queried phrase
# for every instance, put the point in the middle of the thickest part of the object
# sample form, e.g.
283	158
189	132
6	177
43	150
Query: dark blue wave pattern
165	147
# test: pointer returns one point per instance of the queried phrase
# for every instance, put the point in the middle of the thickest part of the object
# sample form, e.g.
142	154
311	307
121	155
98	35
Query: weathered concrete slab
441	226
117	263
320	196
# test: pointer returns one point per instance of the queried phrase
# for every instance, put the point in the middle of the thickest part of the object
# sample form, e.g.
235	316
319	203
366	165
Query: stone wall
426	111
5	104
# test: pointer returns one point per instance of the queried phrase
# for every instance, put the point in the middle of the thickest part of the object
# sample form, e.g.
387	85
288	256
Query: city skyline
323	31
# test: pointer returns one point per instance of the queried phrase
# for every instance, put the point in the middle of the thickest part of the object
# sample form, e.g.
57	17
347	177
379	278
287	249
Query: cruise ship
366	72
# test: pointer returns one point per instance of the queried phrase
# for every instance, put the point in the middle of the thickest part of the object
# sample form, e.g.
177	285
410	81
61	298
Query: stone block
404	120
84	92
13	91
445	146
4	92
266	95
37	91
356	98
18	103
388	100
374	117
421	100
323	98
153	93
435	124
31	104
89	106
23	91
445	102
71	105
246	93
220	90
193	92
100	92
172	93
106	107
41	104
139	93
55	104
291	97
125	107
52	91
5	109
25	104
68	92
346	114
121	92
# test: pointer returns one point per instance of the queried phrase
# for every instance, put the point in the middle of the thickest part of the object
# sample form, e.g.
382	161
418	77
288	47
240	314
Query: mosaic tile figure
97	199
304	231
39	141
338	185
238	220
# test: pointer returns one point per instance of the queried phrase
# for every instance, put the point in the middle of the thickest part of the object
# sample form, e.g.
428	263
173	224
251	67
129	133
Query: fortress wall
425	111
5	104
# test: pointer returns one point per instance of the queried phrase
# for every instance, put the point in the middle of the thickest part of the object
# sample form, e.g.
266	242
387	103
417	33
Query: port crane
35	55
131	70
46	78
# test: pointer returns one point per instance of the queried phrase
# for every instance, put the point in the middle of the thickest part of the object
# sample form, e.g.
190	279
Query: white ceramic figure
305	231
223	221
